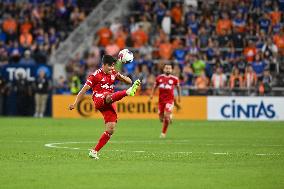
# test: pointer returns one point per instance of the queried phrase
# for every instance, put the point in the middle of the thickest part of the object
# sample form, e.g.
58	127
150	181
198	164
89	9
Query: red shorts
165	107
108	110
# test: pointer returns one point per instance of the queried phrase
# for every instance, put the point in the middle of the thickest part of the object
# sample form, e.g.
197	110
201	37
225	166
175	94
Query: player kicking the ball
102	83
166	84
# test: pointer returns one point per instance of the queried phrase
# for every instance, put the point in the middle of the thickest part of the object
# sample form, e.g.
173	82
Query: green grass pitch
53	153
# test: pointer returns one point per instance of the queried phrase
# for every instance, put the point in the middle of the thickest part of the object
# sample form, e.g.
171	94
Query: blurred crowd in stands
30	31
218	47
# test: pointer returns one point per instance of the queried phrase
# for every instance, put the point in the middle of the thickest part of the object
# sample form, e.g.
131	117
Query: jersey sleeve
92	80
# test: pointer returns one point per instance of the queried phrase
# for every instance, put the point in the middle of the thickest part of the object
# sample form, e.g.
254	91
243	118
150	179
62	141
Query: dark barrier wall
20	87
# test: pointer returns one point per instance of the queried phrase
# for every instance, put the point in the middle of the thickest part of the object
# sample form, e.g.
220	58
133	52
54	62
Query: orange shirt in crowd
165	50
275	17
10	25
250	53
26	27
223	24
26	39
104	36
201	82
279	40
120	39
139	38
176	14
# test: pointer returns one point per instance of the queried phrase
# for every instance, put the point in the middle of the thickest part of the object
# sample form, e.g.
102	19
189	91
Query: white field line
57	145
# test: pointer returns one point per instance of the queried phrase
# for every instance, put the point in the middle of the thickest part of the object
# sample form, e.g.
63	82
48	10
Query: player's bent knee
110	127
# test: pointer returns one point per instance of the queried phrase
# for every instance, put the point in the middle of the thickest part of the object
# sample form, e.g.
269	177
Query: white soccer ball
125	56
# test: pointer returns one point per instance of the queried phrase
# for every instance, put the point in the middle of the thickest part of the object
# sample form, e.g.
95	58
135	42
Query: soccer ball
125	56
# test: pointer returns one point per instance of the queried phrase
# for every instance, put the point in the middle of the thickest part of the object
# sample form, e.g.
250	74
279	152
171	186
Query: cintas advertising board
245	108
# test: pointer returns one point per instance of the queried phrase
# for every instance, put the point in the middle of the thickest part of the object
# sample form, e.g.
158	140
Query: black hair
168	64
108	59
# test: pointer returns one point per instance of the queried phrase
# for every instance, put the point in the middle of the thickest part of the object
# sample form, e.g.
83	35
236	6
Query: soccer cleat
132	90
93	154
163	135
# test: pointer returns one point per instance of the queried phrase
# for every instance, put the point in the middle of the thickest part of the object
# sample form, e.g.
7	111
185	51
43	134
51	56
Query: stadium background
228	55
224	48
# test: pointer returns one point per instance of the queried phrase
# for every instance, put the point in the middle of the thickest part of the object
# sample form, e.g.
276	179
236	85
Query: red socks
118	95
103	140
165	125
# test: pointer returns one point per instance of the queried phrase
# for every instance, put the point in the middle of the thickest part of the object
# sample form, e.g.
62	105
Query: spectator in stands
165	49
26	40
114	26
250	80
77	16
139	37
201	83
42	86
198	65
259	66
121	37
27	59
41	54
223	24
10	26
264	24
219	80
250	51
266	83
167	23
112	48
15	52
146	25
236	82
104	35
61	86
176	14
159	12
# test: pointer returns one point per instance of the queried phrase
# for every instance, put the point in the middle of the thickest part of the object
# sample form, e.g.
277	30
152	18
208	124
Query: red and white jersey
101	82
166	85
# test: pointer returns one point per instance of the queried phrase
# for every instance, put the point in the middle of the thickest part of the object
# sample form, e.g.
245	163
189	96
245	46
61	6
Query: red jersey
166	85
101	82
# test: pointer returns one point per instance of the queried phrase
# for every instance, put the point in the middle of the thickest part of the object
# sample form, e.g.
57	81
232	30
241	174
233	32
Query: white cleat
93	154
163	135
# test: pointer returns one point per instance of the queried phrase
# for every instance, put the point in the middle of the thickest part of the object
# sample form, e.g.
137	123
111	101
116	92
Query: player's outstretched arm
79	96
123	78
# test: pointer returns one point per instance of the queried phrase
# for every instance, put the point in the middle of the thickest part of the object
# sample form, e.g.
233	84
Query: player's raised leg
121	94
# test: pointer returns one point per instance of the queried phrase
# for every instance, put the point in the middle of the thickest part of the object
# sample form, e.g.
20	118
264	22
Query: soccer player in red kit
102	83
166	84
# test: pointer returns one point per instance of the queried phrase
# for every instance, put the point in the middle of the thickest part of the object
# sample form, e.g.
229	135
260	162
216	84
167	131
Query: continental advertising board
138	107
245	108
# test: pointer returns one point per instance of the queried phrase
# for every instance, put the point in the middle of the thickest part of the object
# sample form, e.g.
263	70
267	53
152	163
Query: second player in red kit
166	83
102	84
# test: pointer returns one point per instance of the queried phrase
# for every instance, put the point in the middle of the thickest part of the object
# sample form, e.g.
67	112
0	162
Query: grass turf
195	154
